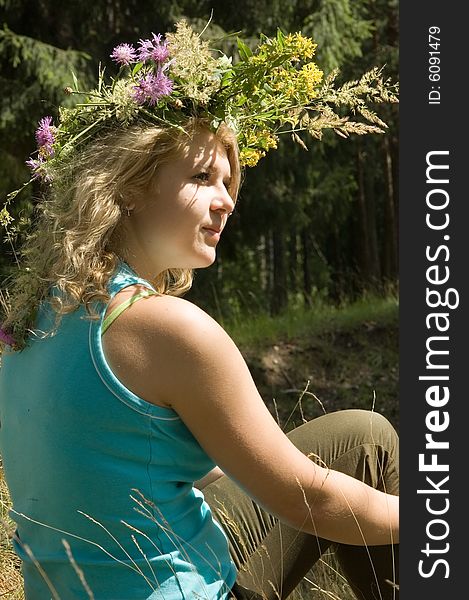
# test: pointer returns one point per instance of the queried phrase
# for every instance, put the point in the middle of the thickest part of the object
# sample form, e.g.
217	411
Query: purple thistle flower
163	85
35	164
46	152
45	134
141	90
124	54
6	337
147	46
37	167
160	53
145	49
151	88
153	49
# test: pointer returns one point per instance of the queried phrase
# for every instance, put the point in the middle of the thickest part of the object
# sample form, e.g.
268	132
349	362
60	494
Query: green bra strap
117	311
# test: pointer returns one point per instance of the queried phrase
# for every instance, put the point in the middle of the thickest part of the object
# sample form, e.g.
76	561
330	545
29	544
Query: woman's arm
211	476
196	368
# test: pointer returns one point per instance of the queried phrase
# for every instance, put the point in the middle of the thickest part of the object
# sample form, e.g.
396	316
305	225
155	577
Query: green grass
257	330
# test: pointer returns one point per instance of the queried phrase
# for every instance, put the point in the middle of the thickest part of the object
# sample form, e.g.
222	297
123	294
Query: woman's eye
203	176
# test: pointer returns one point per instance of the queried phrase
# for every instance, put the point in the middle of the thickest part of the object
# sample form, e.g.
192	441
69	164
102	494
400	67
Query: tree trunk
363	254
263	264
390	240
279	292
269	260
292	261
374	274
306	263
368	255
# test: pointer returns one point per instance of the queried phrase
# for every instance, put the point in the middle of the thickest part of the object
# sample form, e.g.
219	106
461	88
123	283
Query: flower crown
273	90
165	79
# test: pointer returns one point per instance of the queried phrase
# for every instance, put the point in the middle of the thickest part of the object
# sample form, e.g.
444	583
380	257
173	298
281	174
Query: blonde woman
141	460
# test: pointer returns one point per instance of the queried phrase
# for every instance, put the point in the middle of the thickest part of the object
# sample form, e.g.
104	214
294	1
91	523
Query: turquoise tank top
90	464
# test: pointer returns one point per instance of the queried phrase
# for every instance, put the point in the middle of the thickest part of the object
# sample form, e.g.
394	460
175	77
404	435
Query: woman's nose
223	201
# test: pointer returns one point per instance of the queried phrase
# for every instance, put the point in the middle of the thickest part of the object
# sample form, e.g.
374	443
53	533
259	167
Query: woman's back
83	455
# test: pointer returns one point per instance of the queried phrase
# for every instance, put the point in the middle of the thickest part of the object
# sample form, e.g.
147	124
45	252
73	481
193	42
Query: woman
141	460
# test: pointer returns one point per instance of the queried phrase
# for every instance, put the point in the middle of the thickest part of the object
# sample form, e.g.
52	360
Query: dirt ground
330	371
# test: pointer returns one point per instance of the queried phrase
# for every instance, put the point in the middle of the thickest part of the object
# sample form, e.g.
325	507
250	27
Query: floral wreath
165	79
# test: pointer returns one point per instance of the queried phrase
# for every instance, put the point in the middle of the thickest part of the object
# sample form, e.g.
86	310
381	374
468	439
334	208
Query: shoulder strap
119	309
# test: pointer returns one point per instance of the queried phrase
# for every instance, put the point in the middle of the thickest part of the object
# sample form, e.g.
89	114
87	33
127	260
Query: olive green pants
272	557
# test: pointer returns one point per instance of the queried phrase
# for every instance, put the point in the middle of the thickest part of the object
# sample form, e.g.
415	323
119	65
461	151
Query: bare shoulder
183	341
174	309
188	362
158	340
163	319
159	313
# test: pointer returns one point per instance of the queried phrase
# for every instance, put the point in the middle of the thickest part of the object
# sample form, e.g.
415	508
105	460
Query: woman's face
179	222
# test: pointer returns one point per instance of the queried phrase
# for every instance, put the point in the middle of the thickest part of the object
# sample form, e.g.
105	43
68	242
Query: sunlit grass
11	583
296	323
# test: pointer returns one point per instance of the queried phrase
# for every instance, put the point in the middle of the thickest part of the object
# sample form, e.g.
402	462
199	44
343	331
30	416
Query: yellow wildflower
267	139
284	81
263	138
302	46
308	78
5	217
258	59
250	157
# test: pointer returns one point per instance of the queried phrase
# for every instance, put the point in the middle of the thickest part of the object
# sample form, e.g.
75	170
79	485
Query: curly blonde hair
77	240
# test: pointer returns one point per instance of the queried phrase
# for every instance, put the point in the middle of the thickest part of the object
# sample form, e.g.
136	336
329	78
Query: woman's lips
214	233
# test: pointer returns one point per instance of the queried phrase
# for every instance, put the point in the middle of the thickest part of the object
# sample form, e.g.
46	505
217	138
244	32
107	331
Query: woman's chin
207	260
202	261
